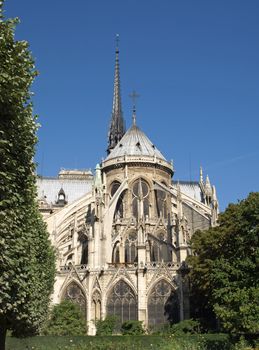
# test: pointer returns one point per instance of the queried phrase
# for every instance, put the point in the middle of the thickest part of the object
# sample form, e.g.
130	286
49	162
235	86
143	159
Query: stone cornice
137	161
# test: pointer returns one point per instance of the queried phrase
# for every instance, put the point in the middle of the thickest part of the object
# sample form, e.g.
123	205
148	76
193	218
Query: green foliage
66	319
224	275
144	342
27	259
106	326
132	328
185	327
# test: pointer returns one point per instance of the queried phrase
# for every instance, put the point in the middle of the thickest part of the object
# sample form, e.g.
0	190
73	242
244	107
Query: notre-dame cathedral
122	235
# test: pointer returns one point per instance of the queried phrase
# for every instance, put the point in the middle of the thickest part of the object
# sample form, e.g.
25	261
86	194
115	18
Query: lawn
198	342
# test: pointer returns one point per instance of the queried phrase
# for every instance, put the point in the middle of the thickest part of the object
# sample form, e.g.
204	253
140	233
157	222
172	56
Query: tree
225	270
26	256
66	319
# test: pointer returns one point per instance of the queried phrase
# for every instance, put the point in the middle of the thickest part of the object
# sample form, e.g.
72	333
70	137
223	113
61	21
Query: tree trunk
3	330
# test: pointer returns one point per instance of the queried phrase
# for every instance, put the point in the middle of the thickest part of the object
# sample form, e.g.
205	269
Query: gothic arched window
162	304
83	239
122	302
155	252
159	249
140	199
119	206
161	207
131	248
116	253
75	294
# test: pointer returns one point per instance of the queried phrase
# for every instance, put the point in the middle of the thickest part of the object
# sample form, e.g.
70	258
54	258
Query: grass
86	343
142	342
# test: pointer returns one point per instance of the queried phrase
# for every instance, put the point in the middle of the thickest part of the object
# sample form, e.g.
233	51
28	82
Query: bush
162	329
66	319
217	341
106	326
186	327
132	328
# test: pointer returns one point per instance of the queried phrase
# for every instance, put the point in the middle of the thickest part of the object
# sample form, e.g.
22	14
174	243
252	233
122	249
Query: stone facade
122	242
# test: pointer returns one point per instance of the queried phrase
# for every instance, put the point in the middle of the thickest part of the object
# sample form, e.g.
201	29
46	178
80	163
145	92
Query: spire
207	183
133	96
201	175
117	125
1	10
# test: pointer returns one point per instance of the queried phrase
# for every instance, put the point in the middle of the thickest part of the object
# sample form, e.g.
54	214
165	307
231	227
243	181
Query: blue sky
194	64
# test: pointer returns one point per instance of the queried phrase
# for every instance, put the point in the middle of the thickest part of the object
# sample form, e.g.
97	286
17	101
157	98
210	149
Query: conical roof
135	143
117	125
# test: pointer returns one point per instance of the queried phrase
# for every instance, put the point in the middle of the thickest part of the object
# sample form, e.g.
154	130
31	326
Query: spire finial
117	40
134	97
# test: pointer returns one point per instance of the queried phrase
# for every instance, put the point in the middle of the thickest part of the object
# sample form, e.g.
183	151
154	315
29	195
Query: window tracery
140	199
122	302
159	249
162	304
75	294
131	248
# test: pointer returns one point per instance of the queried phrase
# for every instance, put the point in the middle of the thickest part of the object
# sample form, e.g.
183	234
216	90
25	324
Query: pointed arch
159	247
116	252
140	189
163	305
130	246
122	302
74	292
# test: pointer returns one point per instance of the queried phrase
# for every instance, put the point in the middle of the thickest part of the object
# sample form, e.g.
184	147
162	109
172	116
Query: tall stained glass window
122	302
75	294
162	304
131	248
140	197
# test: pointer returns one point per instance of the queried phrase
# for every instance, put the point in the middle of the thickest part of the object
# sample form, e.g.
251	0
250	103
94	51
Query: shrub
187	326
66	319
217	341
106	326
163	329
132	328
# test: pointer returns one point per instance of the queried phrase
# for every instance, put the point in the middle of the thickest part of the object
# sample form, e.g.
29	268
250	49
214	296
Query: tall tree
225	271
26	256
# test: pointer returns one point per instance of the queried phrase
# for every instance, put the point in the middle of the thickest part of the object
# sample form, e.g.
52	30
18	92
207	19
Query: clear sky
194	63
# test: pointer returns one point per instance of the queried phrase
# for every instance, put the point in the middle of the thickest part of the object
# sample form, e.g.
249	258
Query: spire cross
134	97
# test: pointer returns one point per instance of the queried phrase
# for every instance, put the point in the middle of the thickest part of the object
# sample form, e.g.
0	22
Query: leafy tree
26	259
225	274
66	319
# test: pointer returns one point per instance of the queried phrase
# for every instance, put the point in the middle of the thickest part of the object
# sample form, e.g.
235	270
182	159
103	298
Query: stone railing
150	265
134	265
67	268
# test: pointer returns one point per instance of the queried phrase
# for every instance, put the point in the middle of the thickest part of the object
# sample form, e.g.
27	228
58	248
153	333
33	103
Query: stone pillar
142	287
